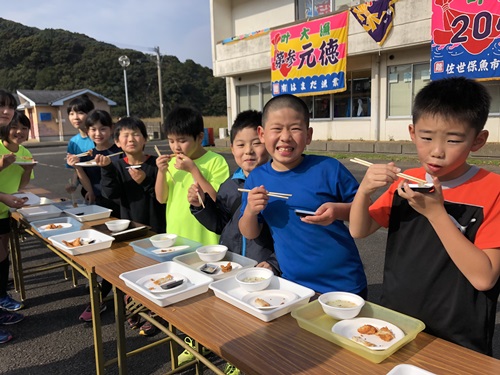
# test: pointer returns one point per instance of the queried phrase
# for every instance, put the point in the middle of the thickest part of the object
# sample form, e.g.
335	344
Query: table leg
118	297
17	266
95	302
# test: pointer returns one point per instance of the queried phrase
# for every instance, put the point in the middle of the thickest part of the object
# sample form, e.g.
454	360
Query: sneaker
187	356
134	321
231	370
86	315
7	318
10	304
149	329
5	336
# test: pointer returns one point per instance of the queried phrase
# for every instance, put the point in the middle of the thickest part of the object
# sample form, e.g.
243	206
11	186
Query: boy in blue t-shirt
316	251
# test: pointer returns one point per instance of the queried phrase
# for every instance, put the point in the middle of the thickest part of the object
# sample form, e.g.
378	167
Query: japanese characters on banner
465	39
310	58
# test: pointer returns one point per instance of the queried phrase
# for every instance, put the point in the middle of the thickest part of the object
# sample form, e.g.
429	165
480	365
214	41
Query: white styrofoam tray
102	241
193	261
196	283
405	369
230	291
88	213
40	212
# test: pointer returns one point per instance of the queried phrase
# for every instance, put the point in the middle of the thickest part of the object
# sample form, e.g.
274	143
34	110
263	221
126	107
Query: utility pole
160	90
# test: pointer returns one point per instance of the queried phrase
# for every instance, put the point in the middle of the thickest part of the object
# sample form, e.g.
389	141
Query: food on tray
253	279
162	280
261	303
341	303
78	242
53	226
367	329
362	341
226	268
383	333
25	158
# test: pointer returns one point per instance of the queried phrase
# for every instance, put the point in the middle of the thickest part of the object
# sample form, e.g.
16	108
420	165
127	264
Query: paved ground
51	340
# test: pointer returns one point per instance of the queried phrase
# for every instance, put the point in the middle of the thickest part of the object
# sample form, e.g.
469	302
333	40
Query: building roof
55	97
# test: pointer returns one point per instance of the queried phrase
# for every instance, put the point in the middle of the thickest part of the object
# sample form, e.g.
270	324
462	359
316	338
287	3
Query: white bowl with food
254	279
163	240
117	225
211	253
341	305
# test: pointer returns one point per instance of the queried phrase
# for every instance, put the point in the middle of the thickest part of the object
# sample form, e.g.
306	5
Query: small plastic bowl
117	225
254	279
163	240
327	301
211	253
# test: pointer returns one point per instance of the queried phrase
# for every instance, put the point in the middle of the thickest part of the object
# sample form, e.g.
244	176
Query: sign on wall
465	39
310	57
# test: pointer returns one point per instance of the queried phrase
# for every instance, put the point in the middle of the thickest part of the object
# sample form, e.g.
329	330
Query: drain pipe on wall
375	104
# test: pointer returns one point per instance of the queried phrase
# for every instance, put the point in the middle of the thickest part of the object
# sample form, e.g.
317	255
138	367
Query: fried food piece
385	334
261	303
53	226
74	243
367	329
162	280
226	268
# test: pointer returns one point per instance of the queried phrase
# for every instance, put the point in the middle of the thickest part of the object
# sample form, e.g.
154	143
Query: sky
180	28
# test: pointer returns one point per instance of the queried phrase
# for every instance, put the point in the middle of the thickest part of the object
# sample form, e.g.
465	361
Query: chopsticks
116	153
402	175
271	194
171	175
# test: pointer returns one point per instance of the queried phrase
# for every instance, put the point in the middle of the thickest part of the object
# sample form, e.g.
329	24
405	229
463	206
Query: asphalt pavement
51	340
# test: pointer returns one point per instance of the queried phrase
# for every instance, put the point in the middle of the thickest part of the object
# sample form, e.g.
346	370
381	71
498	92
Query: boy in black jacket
222	215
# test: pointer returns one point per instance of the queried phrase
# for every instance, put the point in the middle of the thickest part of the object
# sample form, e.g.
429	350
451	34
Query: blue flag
376	18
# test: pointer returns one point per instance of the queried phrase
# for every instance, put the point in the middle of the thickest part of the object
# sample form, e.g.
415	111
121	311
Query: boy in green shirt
190	163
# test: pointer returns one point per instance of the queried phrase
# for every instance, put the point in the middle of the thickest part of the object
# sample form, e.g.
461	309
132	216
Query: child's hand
28	167
90	197
72	160
193	192
102	160
325	215
426	204
7	160
162	163
377	176
12	201
137	174
265	265
257	200
184	163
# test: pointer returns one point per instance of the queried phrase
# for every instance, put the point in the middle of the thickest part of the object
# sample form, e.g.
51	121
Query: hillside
55	59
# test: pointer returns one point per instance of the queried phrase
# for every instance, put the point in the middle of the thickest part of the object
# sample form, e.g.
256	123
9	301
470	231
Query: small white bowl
327	303
254	279
117	225
163	240
211	253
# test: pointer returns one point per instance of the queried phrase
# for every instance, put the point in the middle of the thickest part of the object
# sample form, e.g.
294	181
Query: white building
382	106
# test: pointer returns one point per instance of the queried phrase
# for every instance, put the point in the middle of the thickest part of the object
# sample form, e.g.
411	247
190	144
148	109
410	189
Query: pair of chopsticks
271	194
402	175
168	171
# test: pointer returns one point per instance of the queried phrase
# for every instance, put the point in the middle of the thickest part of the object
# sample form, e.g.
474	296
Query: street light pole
125	62
160	89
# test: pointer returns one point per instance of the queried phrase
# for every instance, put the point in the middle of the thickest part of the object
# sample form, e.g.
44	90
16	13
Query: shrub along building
47	111
358	86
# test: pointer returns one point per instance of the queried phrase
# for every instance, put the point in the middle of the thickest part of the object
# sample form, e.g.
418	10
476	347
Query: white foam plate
235	266
32	198
170	250
275	298
89	163
148	282
21	162
405	369
61	226
348	328
133	167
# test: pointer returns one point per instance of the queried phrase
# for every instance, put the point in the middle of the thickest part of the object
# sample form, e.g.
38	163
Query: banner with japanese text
465	39
310	58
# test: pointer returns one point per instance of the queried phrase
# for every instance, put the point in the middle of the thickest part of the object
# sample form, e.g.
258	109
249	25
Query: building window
352	103
313	8
493	88
253	96
404	82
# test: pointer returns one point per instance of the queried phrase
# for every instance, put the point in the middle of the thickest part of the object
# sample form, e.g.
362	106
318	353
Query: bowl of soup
254	279
341	305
